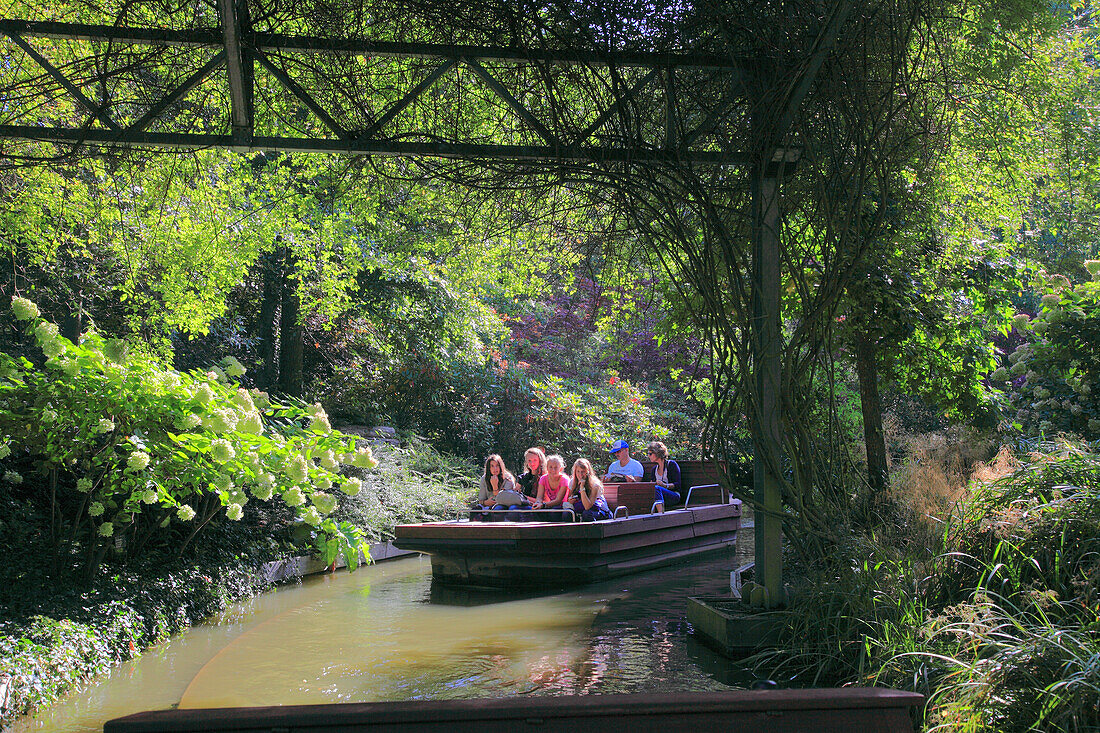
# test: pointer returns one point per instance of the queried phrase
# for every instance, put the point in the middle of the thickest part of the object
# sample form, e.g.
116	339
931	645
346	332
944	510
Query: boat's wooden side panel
507	553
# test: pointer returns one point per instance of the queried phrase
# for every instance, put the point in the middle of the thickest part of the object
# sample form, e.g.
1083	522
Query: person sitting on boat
498	486
554	488
528	481
666	474
587	491
625	468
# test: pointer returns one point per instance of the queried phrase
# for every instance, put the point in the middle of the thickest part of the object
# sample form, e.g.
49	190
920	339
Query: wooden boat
504	554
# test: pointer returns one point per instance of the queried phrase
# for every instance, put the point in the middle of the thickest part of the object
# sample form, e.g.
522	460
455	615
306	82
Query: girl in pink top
554	486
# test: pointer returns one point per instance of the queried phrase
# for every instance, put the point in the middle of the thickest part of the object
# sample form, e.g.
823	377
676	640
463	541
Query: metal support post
767	366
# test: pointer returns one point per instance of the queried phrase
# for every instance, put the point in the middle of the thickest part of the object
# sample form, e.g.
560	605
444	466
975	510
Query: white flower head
233	367
137	461
53	349
189	421
1050	300
45	332
324	481
251	423
223	482
203	393
262	491
311	516
351	486
298	470
294	497
84	485
13	478
325	503
95	509
185	513
365	459
23	309
106	529
105	425
5	451
327	459
221	451
149	497
234	512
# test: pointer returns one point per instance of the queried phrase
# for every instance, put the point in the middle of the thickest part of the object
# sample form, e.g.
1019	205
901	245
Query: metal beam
670	109
515	153
302	95
514	104
823	44
174	96
613	108
405	101
239	98
71	88
276	42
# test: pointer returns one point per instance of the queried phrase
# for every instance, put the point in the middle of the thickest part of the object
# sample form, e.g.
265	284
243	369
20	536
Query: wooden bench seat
701	478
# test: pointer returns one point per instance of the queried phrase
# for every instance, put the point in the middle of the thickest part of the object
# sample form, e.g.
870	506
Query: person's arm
584	499
633	471
540	494
483	494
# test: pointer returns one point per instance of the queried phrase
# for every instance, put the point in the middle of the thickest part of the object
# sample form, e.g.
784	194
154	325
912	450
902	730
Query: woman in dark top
666	474
534	460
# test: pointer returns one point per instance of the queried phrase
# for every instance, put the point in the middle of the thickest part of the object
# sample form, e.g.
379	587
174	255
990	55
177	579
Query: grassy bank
982	595
57	632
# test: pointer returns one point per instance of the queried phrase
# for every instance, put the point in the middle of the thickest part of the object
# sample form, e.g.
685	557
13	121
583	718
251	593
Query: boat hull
518	554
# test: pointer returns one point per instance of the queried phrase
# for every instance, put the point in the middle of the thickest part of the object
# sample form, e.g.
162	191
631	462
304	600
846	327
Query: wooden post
767	366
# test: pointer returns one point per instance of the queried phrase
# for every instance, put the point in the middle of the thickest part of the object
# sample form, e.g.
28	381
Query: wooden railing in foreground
866	710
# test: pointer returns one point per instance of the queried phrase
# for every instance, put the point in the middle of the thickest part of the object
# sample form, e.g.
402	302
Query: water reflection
388	633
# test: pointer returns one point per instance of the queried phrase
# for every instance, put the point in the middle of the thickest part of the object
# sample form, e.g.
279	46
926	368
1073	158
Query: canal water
386	632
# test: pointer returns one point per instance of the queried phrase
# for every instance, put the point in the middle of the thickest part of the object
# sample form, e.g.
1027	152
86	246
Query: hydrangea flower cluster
1048	379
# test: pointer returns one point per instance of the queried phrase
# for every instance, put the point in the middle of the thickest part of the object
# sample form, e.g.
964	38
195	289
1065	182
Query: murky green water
386	633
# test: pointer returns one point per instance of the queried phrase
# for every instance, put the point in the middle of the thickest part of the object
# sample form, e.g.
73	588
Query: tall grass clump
989	606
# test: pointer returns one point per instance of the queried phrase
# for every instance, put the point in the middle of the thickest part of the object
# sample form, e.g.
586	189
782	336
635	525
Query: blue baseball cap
618	445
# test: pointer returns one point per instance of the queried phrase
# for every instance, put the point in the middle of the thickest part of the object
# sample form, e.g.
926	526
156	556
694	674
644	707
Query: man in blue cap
624	469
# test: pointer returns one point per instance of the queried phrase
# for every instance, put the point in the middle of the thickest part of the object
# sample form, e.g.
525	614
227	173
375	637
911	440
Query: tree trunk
71	323
271	274
873	436
291	334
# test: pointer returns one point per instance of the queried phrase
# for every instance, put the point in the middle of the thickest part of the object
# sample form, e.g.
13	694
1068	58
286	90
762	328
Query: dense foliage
130	451
992	613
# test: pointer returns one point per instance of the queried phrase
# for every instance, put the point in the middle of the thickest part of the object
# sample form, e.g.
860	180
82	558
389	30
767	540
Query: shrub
1053	377
129	449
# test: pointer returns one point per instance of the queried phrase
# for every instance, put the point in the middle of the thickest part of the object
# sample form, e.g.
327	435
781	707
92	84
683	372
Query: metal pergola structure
681	136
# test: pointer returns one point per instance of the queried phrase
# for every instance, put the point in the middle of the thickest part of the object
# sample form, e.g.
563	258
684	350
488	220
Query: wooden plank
869	710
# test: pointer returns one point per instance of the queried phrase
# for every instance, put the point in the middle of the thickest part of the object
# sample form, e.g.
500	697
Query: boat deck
531	553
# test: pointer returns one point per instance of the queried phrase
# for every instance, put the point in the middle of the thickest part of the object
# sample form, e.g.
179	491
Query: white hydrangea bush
130	443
